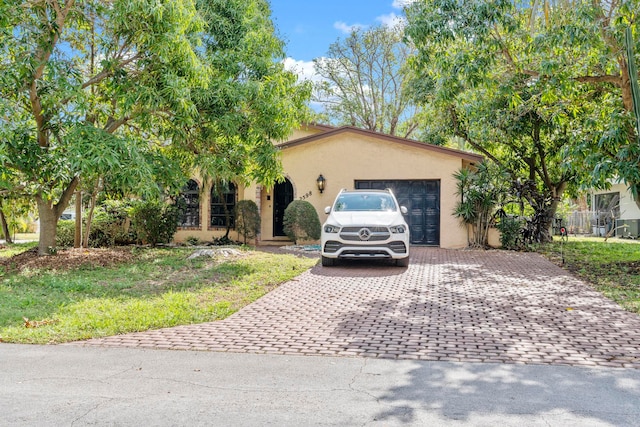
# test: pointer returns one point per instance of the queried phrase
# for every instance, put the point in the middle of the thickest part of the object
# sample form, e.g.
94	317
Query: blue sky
310	26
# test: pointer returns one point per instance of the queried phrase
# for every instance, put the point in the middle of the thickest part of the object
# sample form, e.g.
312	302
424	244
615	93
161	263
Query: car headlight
398	229
331	228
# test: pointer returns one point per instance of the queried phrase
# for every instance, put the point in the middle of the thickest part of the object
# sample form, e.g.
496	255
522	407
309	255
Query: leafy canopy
134	94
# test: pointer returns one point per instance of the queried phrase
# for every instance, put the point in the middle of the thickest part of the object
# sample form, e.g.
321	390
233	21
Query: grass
611	267
159	288
16	248
25	236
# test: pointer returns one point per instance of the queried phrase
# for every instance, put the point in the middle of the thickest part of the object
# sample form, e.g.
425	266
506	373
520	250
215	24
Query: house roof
333	131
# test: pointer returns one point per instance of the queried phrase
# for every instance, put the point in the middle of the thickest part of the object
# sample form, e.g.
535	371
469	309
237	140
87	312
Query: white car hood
356	218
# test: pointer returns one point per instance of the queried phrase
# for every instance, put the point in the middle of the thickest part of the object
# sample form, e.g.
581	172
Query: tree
250	102
495	75
367	83
79	78
573	52
116	94
247	216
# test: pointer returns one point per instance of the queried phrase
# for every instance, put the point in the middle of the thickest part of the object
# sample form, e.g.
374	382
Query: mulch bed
68	259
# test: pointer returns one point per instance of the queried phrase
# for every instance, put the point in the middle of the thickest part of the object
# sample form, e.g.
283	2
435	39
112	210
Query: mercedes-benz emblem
364	234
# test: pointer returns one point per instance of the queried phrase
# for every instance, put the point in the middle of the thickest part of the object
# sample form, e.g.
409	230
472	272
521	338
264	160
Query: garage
422	200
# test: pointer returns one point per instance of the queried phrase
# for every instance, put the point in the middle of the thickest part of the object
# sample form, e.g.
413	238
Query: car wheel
403	262
328	262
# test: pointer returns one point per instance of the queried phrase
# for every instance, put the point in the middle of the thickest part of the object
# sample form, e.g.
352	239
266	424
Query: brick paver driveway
453	305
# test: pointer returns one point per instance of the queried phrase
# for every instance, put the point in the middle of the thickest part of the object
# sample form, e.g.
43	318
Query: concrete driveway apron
450	305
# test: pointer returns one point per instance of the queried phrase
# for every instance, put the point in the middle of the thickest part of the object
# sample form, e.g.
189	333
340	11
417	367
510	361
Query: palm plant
481	192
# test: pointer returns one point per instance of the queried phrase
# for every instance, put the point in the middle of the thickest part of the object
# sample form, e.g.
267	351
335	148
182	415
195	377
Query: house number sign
306	195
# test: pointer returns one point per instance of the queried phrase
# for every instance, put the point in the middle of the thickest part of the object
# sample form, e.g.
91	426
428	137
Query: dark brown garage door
422	199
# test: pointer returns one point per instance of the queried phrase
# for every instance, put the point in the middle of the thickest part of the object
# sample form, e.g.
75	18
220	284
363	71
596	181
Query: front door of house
282	196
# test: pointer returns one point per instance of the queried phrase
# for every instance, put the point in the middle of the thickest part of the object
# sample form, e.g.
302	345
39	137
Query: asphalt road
70	385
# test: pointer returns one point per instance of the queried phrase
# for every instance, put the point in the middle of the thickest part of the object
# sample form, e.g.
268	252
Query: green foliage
481	192
192	241
502	88
247	216
153	221
250	99
65	235
110	227
301	221
510	228
174	82
113	220
545	95
224	241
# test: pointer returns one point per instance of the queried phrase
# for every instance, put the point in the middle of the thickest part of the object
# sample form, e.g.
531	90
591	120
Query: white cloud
399	4
346	28
391	20
304	69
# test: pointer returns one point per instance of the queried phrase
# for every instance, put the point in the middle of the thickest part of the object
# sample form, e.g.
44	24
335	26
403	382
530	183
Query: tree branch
106	73
66	196
617	80
463	134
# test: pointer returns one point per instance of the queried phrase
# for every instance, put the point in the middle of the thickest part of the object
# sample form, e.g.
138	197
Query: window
608	204
223	202
189	203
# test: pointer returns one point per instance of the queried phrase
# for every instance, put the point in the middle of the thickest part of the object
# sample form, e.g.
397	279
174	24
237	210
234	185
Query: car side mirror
404	210
327	209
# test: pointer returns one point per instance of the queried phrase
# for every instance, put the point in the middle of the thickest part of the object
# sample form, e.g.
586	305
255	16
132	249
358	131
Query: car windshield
364	202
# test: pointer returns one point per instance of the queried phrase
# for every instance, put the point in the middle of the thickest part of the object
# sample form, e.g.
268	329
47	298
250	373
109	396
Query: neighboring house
616	205
420	175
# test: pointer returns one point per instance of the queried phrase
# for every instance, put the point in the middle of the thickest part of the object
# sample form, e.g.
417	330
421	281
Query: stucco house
616	204
421	176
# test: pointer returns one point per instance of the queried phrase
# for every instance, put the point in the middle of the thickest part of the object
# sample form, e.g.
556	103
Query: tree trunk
5	225
94	196
549	213
77	236
49	215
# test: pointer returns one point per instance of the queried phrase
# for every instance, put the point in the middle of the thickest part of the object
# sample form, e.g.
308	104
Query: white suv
365	224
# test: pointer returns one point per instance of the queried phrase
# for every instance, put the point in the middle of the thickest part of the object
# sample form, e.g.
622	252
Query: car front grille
372	229
374	234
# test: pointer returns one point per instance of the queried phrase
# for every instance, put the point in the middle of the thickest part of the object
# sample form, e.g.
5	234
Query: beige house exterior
421	176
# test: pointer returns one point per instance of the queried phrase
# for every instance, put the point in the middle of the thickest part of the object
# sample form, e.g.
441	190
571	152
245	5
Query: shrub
301	221
114	221
224	241
154	222
481	192
65	233
103	230
192	241
247	218
509	232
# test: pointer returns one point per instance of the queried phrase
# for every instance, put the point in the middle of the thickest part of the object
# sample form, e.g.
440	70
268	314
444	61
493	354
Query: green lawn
611	267
157	288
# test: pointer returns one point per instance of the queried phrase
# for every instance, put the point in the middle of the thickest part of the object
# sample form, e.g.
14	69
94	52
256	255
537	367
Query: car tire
402	262
328	262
